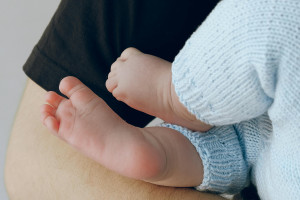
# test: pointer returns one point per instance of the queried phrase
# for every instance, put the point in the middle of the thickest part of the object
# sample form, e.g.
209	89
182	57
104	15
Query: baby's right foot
144	82
87	123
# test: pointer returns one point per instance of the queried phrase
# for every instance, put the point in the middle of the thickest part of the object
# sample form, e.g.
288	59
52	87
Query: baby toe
78	93
46	108
53	99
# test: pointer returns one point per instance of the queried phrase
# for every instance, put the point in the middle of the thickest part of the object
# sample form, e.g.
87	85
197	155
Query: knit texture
225	170
243	62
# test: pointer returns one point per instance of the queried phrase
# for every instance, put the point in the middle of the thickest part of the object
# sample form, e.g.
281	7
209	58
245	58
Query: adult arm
40	166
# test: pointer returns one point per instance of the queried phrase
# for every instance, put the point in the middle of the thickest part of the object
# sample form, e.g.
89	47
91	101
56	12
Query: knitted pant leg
225	169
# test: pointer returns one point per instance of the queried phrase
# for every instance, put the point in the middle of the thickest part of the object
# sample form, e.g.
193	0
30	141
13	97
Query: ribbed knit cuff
225	170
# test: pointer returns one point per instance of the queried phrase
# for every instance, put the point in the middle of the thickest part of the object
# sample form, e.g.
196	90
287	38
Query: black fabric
85	37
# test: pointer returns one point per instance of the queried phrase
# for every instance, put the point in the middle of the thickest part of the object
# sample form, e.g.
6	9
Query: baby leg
144	82
159	155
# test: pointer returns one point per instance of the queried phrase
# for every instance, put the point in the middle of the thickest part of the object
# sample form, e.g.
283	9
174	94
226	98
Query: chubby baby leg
168	155
159	155
144	82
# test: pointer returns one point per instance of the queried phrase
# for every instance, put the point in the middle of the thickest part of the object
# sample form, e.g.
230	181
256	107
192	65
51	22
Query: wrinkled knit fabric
240	71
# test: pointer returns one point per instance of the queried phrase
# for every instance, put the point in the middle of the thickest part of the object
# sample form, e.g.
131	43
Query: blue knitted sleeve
223	75
242	62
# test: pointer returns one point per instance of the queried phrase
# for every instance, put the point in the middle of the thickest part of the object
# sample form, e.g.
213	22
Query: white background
21	25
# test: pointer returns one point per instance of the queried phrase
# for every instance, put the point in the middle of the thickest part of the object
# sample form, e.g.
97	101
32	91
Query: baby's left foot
144	82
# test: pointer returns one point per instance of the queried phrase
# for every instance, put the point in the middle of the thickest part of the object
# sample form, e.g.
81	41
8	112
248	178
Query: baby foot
87	123
77	119
144	82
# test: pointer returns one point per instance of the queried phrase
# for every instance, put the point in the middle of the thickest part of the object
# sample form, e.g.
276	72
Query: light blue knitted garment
241	69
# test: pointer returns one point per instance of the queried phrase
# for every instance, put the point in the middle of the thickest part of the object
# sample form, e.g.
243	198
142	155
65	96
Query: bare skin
40	166
157	155
144	82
